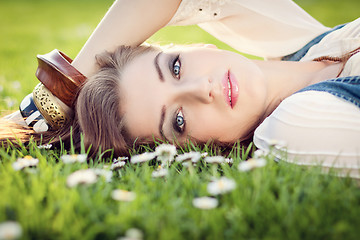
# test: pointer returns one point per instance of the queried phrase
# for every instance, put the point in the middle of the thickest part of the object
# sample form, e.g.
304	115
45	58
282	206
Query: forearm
128	22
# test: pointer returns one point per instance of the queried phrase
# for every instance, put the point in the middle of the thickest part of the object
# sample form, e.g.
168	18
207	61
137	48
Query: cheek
208	123
214	131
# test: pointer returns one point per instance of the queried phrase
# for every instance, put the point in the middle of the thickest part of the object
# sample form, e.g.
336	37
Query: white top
316	127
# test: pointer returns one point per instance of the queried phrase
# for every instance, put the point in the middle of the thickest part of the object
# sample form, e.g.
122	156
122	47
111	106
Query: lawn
275	201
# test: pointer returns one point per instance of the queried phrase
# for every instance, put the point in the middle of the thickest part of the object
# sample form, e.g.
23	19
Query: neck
285	78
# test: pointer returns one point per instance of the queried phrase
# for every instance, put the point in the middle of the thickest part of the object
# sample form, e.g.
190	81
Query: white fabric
317	127
314	128
263	28
337	43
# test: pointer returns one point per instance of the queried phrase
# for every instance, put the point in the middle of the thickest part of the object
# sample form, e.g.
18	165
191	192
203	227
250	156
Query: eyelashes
176	66
179	121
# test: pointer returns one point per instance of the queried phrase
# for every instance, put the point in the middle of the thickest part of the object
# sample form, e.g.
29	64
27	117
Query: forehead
141	102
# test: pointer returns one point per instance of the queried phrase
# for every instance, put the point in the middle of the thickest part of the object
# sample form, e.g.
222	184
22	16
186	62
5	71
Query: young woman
308	106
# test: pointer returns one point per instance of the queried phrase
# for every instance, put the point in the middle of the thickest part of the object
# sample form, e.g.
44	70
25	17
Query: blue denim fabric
347	88
297	56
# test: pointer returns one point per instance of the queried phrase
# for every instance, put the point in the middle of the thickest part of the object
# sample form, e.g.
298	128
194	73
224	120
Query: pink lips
230	89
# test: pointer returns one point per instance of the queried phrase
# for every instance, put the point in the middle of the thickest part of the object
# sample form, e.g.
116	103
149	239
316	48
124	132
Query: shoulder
313	126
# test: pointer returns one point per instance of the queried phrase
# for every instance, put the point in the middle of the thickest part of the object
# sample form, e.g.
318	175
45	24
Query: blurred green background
30	27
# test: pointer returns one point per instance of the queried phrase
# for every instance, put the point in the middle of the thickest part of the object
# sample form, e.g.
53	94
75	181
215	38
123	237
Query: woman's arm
128	22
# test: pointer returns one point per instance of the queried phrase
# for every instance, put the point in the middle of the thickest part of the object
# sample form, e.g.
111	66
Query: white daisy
229	160
221	186
133	234
84	176
215	159
116	165
120	159
205	202
144	157
46	146
25	162
123	195
250	164
73	158
260	153
161	172
165	153
188	156
105	173
10	230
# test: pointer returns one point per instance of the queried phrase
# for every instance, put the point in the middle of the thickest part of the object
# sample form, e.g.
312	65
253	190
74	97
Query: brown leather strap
59	76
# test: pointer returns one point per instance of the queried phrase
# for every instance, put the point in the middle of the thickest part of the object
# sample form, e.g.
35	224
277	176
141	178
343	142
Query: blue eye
179	122
176	67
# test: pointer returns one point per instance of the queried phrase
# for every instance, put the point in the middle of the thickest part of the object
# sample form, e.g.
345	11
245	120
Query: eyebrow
162	119
156	62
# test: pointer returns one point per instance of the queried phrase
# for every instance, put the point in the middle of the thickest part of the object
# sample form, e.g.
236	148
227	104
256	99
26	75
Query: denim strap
347	88
297	56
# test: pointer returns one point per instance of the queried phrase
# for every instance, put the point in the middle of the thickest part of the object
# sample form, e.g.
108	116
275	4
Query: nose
195	89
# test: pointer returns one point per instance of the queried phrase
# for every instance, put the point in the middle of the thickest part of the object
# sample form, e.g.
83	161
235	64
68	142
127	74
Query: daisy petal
215	159
205	202
117	165
189	156
141	158
162	172
251	164
25	162
73	158
123	195
221	186
10	230
84	177
165	153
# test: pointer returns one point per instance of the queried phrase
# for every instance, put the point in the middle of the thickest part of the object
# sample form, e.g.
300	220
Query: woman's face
202	93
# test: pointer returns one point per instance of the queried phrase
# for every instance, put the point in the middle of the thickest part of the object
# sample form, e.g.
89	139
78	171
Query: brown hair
96	110
343	59
98	103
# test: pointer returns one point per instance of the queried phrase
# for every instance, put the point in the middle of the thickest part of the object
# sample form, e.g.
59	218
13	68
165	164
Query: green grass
279	201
